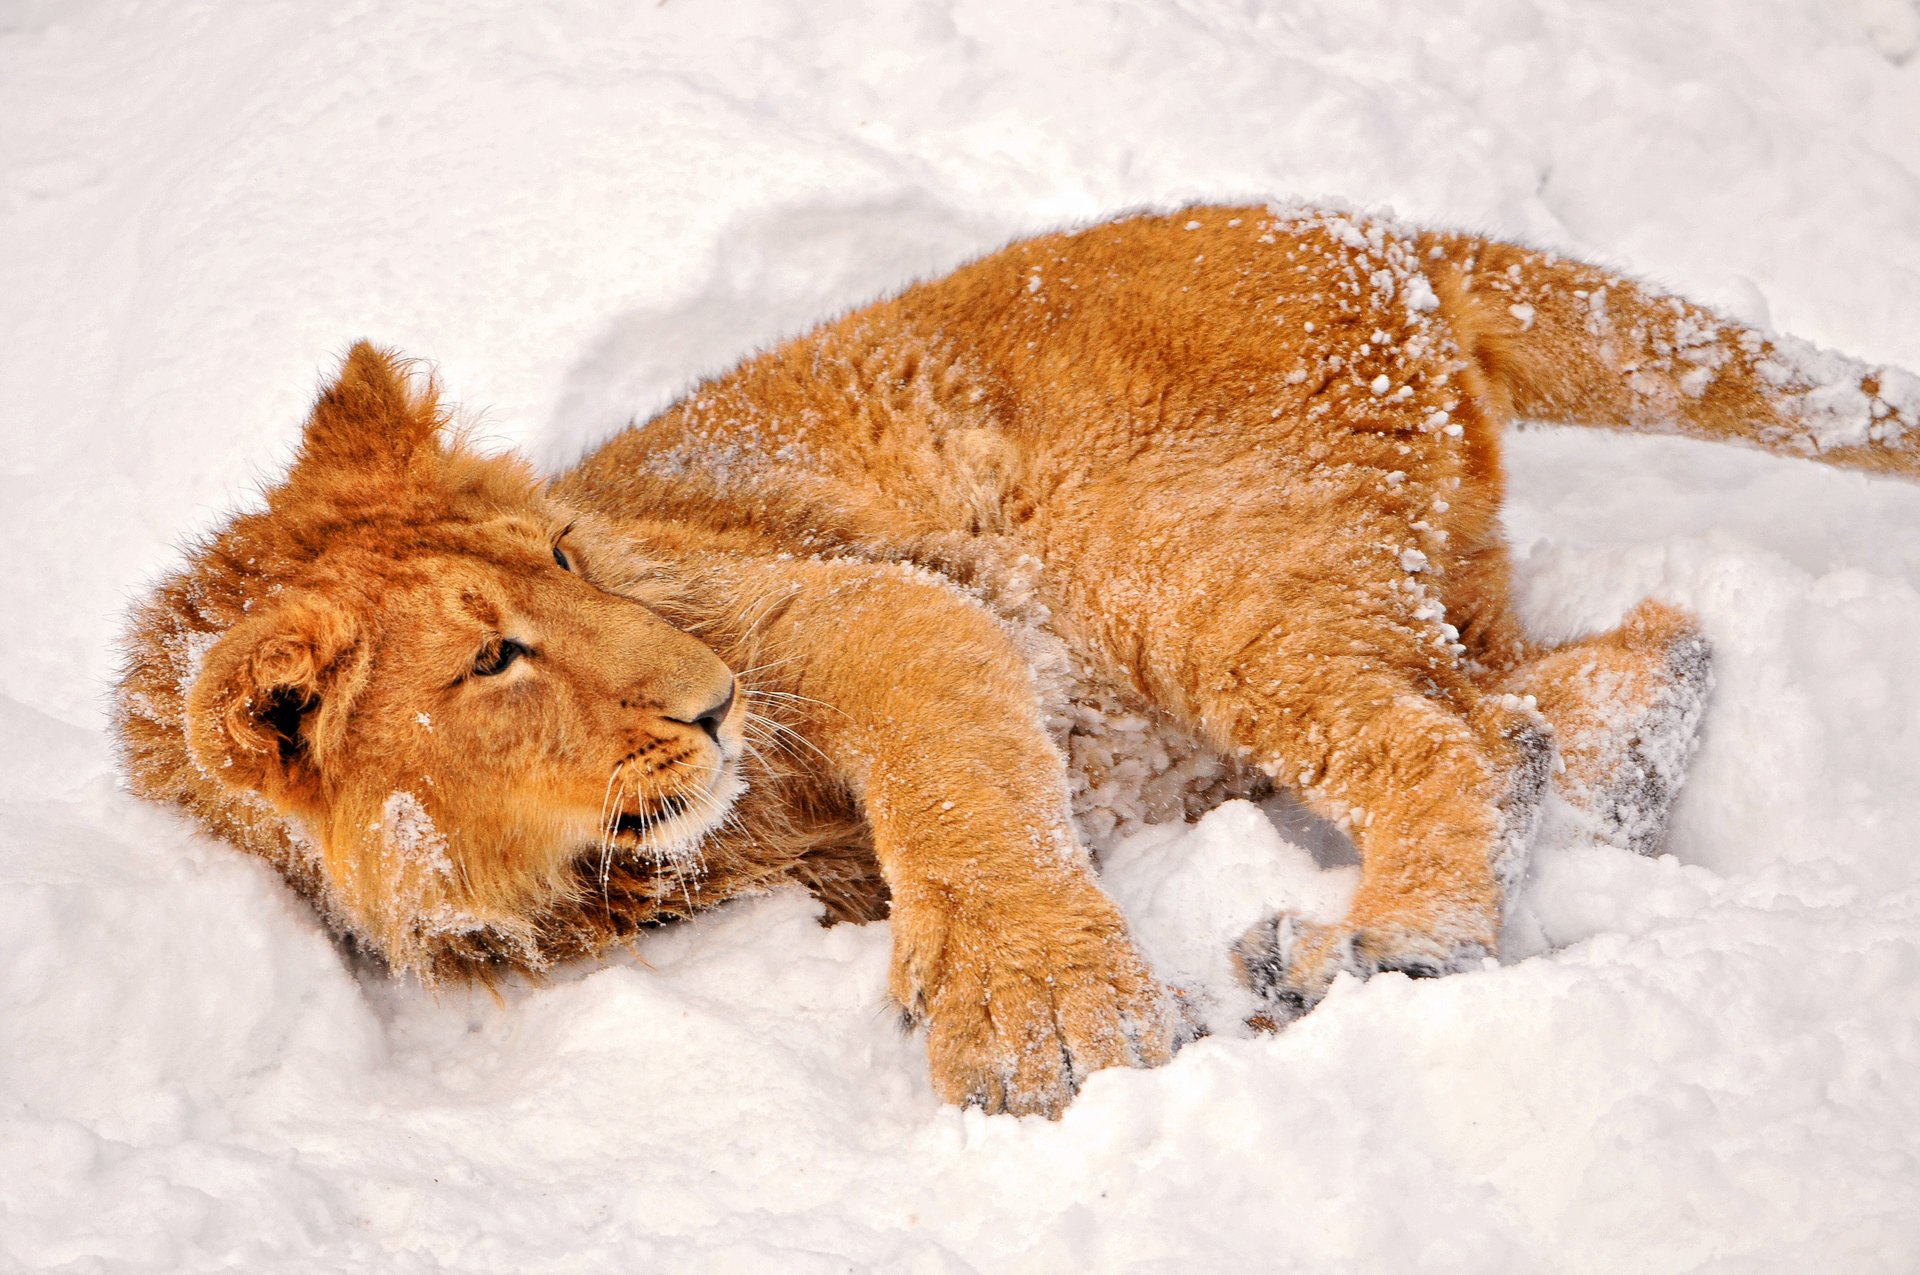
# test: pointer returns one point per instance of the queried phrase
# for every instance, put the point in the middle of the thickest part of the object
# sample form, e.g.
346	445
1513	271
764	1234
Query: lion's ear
270	699
375	416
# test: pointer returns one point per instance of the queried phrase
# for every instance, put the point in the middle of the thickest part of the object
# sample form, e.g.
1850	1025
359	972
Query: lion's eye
562	559
497	657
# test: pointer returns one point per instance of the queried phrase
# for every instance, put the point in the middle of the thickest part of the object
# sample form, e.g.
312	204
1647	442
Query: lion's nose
711	720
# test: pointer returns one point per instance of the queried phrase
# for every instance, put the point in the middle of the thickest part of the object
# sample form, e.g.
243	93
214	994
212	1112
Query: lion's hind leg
1625	707
1441	805
1310	648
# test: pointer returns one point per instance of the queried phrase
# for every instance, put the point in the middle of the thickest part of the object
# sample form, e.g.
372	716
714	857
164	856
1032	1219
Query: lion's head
450	692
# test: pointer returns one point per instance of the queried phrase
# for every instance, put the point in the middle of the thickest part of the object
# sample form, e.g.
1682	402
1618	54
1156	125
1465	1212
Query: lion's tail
1561	341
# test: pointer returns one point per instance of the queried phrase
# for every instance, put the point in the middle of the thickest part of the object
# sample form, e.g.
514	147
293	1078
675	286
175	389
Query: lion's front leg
1004	944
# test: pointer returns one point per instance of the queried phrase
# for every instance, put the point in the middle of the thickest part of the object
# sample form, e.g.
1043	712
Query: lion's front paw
1290	963
1020	1012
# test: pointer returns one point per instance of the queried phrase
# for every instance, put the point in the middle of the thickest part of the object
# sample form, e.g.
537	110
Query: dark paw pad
1263	960
1414	969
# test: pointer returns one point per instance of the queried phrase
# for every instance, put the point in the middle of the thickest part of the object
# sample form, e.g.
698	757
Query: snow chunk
407	830
1824	391
1419	295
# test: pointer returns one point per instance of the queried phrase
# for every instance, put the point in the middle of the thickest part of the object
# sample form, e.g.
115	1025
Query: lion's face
513	717
505	685
442	691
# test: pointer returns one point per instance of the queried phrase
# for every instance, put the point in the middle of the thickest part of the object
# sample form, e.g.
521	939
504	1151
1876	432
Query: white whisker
787	735
763	667
609	818
794	697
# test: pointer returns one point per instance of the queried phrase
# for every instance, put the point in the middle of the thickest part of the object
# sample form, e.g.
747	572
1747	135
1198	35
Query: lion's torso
988	426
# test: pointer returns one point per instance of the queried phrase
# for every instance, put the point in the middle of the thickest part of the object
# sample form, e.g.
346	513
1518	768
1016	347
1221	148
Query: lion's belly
1128	764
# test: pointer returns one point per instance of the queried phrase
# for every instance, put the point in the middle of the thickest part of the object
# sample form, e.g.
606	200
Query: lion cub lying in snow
906	608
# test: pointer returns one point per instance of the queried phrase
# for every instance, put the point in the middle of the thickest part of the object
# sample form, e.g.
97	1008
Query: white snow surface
1701	1061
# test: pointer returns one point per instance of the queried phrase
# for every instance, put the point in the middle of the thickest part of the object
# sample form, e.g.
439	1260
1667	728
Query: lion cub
857	613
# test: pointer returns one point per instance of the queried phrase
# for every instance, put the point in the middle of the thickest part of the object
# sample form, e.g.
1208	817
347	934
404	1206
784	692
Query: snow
1700	1061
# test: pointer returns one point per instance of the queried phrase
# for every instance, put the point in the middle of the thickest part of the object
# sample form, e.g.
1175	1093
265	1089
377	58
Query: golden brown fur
1233	471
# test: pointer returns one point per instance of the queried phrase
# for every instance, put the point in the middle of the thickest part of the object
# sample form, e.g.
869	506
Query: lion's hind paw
1290	963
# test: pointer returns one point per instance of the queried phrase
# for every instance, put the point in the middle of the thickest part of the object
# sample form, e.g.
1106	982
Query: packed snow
1702	1060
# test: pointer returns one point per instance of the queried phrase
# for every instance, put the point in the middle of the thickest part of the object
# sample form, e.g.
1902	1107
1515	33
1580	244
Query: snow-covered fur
1099	529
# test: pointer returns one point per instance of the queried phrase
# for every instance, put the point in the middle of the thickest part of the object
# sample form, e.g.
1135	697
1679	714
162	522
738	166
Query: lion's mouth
673	826
666	811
